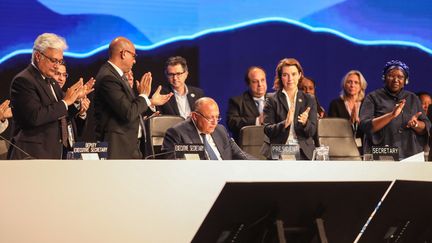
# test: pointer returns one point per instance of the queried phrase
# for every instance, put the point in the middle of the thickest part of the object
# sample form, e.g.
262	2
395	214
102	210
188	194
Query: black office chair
157	127
251	139
338	135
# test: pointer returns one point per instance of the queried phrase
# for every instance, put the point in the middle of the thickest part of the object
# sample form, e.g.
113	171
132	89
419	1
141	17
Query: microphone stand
159	154
28	156
243	154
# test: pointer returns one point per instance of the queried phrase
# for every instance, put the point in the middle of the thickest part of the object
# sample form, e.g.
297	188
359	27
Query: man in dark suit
247	109
39	106
79	120
118	110
203	128
176	72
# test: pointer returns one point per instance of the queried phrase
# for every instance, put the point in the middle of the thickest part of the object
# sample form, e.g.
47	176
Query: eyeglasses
394	77
134	55
172	75
53	60
65	75
210	120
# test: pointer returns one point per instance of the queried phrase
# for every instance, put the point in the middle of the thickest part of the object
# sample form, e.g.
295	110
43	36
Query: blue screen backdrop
221	39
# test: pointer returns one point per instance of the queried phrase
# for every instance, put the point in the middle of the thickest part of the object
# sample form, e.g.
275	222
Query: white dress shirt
183	103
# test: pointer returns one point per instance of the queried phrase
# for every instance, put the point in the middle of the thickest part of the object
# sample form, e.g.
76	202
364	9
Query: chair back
3	150
338	135
251	140
158	126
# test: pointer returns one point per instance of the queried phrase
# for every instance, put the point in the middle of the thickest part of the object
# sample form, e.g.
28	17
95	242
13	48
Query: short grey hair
48	40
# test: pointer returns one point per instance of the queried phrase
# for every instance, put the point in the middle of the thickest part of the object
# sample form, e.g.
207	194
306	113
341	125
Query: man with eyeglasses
39	106
61	75
203	127
79	120
176	72
119	109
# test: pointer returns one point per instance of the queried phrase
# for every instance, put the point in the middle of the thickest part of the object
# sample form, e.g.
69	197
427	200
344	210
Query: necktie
64	132
125	79
260	105
211	154
63	121
141	120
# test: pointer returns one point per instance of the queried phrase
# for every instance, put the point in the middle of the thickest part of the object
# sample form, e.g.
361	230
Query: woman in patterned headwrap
393	116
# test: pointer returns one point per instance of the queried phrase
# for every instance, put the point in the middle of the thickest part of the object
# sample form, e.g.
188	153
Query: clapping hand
303	117
290	117
73	92
144	87
261	118
158	98
398	108
88	87
354	115
414	122
5	110
85	104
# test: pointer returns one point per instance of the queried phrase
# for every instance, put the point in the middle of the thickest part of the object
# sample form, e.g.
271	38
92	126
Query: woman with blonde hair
347	105
290	115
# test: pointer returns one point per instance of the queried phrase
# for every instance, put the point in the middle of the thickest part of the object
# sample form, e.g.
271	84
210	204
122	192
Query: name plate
386	153
189	151
285	152
89	151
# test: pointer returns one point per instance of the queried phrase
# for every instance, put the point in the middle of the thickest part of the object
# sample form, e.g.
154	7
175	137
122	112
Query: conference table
44	201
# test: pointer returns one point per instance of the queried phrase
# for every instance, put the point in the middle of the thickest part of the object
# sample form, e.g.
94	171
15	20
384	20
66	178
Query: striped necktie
211	154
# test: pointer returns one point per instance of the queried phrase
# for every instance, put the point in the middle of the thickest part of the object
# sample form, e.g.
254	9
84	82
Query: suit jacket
186	133
275	113
171	107
78	123
117	111
36	115
242	111
337	109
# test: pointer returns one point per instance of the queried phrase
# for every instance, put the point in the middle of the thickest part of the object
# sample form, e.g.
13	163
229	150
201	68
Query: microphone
159	154
244	155
157	113
28	156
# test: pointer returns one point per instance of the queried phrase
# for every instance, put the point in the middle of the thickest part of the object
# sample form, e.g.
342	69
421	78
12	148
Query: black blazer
275	112
171	108
117	111
186	133
242	111
36	114
338	109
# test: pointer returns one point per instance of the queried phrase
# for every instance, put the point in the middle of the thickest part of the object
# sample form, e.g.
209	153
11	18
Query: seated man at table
203	128
247	109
